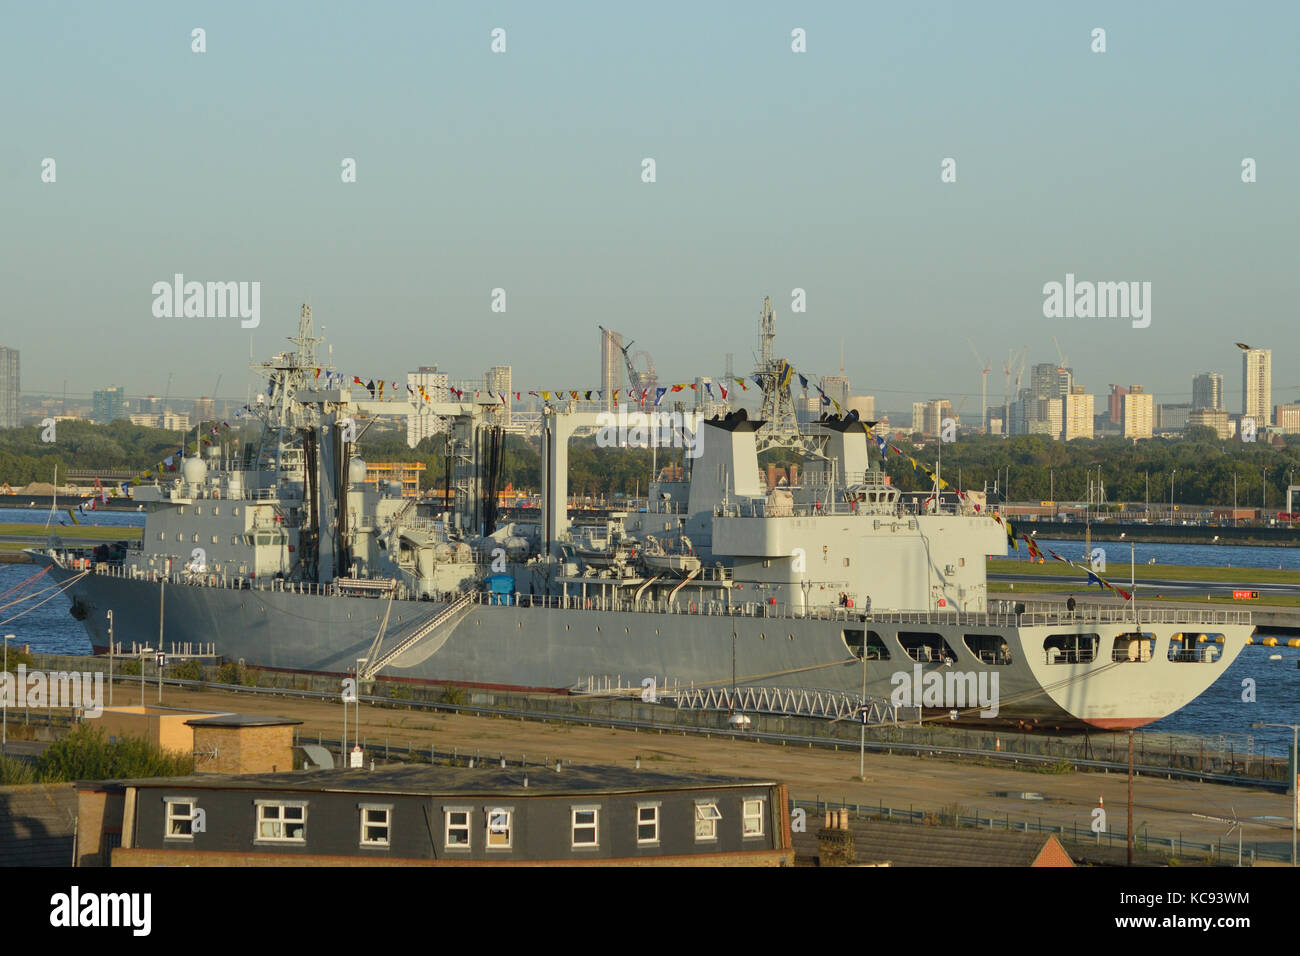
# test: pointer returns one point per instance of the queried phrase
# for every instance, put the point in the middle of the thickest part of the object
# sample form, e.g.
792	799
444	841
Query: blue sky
775	170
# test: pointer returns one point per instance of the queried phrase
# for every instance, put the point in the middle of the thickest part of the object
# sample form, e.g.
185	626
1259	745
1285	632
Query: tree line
1031	467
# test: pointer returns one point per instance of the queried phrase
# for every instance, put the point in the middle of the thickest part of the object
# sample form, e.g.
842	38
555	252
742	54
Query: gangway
453	610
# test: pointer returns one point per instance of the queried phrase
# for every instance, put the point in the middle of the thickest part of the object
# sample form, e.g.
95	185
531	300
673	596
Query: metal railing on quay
1081	838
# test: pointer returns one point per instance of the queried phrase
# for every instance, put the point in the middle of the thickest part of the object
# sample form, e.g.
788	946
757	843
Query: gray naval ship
286	558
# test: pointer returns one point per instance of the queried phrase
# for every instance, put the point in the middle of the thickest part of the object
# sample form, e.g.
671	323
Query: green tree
84	754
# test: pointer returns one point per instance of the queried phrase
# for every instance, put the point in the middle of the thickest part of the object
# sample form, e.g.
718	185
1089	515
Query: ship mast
780	428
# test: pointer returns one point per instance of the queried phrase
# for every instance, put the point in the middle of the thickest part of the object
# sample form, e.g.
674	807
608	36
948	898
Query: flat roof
242	720
427	780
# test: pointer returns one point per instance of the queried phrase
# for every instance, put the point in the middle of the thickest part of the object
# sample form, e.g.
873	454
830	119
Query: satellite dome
194	471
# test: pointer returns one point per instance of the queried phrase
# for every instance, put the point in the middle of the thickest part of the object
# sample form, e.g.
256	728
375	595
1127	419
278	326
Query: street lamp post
1171	496
1295	772
4	721
1132	573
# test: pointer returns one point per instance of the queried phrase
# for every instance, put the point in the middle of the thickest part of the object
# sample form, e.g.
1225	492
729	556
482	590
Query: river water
49	628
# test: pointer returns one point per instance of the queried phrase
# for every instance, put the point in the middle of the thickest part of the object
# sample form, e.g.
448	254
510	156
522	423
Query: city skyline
776	171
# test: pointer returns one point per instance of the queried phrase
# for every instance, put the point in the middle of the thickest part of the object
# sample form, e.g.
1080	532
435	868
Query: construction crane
1065	361
984	384
635	378
1007	367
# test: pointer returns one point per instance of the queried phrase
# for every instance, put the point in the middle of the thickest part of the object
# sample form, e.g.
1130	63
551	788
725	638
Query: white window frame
703	814
282	805
594	825
509	828
169	817
654	840
745	816
387	810
467	827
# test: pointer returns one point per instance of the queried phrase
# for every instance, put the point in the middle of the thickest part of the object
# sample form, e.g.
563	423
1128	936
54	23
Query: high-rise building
1211	418
611	365
1043	409
836	388
1257	385
1077	413
1139	413
1207	391
1044	417
150	405
10	387
1115	404
497	381
1172	418
435	386
109	403
864	405
174	422
205	410
1287	418
1051	381
928	417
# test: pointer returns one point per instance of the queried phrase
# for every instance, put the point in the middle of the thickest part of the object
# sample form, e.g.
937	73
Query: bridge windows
1071	648
926	648
875	647
988	648
1136	647
1190	648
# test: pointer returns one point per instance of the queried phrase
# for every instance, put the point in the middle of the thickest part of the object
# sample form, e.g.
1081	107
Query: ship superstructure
281	554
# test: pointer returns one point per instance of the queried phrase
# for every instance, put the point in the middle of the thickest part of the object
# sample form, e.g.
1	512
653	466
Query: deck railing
1034	614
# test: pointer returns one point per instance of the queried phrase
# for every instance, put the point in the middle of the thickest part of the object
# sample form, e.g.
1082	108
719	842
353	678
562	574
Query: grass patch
1143	572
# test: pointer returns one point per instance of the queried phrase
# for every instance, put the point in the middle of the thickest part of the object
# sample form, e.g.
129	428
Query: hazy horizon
775	170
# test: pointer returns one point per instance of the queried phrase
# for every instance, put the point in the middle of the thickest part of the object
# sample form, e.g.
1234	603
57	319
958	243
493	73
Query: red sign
1245	595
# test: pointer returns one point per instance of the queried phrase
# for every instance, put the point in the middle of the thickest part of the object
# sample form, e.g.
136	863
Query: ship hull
549	648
